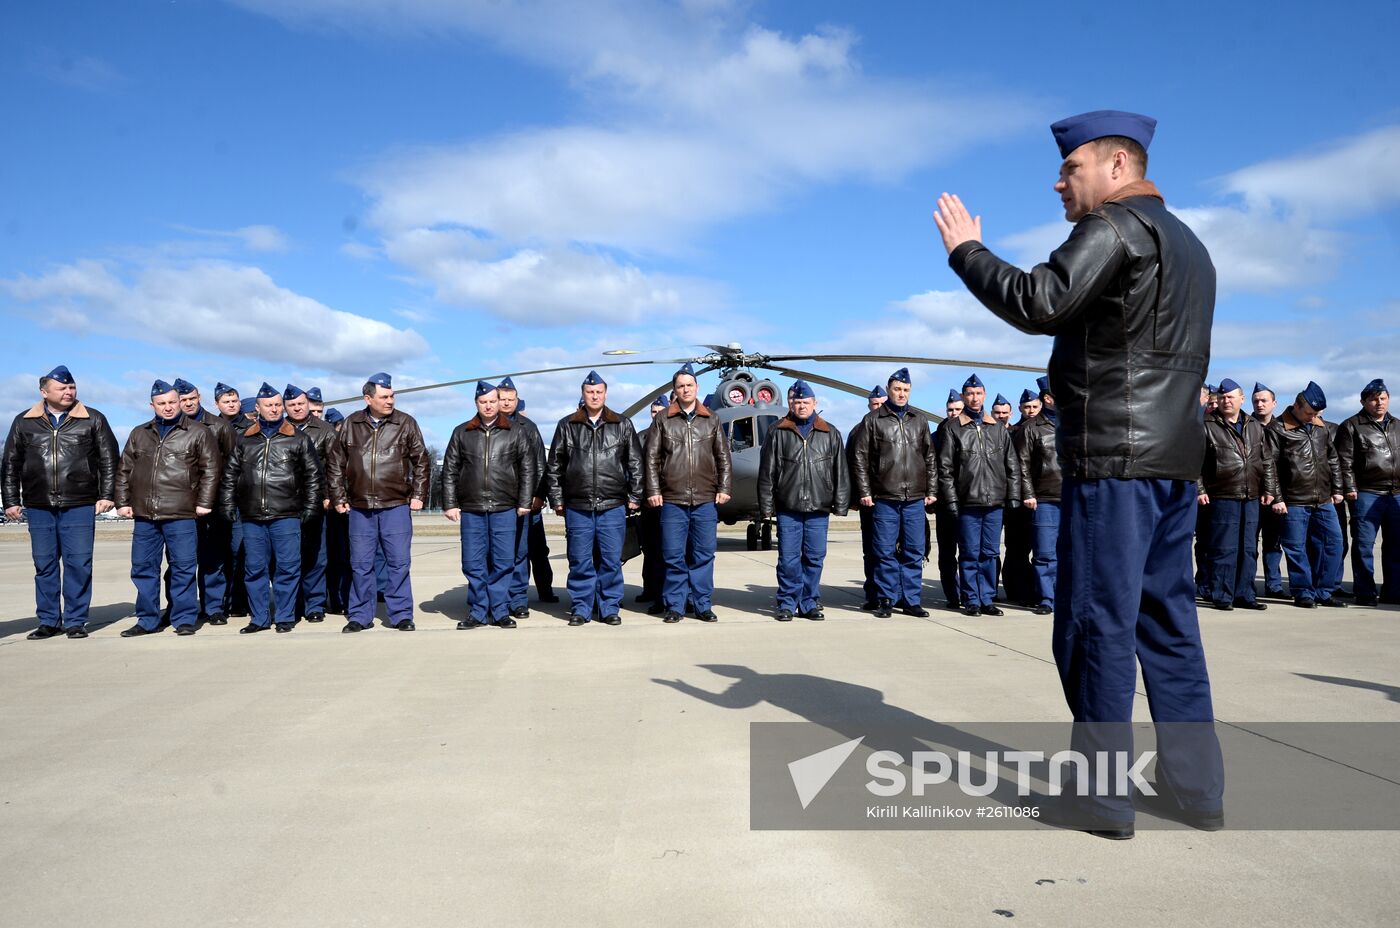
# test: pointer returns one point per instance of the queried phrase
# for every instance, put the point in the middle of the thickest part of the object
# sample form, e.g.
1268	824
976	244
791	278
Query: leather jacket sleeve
417	454
636	488
12	467
451	464
947	479
228	485
206	448
656	437
766	460
1051	294
724	465
860	460
121	493
311	493
1016	487
530	458
1334	462
840	478
1266	451
930	463
335	472
558	463
107	457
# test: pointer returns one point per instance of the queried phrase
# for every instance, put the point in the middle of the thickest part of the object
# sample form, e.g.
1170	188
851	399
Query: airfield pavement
547	776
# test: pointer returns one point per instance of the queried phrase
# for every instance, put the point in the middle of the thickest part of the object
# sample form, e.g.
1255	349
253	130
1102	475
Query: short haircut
44	382
370	389
1137	155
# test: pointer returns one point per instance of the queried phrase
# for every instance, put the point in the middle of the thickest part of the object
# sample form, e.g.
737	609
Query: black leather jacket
895	459
978	464
1237	466
378	468
1306	461
595	468
852	441
1040	467
272	477
803	475
322	435
225	433
489	470
1129	298
168	478
1369	454
543	481
73	465
687	459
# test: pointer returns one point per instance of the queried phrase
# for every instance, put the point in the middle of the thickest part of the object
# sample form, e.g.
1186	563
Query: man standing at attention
1368	451
1129	299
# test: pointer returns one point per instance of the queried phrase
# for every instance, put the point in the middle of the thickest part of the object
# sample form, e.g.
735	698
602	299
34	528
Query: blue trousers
177	540
273	546
520	571
371	529
899	575
1374	513
979	543
60	540
235	593
489	544
688	548
311	592
1312	543
1124	595
801	553
867	553
594	542
1233	551
946	529
1045	538
1270	524
215	537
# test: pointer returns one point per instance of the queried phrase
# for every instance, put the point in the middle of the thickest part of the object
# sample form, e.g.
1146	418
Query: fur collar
965	419
789	423
700	410
474	423
1291	422
607	415
284	429
79	411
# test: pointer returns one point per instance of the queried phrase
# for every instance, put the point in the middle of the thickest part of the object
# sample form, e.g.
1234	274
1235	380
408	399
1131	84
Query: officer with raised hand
488	482
273	478
874	400
595	476
168	477
311	588
532	553
59	472
896	475
1368	452
1310	482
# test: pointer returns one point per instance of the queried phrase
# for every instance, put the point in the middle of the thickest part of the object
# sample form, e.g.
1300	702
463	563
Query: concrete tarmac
549	775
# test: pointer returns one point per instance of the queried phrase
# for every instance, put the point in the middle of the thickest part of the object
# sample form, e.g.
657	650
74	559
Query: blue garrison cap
954	396
1028	396
1043	383
1076	130
876	392
292	392
1371	389
483	388
382	379
1001	401
1227	385
1260	388
314	394
184	387
686	368
1314	396
1212	388
506	384
973	381
802	390
267	391
222	388
334	415
60	374
662	400
159	387
520	406
593	380
899	376
248	406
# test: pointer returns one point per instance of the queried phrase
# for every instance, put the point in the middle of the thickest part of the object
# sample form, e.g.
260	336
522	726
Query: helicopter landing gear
759	536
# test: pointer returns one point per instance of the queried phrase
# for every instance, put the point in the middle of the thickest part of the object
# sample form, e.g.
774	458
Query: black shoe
406	626
816	614
136	631
77	631
251	629
351	627
1223	607
1276	594
316	617
1331	603
218	618
238	613
507	622
576	620
1305	602
548	598
1058	812
1165	805
990	610
656	608
869	606
469	623
1043	609
1255	605
970	611
522	613
884	609
783	615
918	612
184	631
1344	594
44	631
284	627
671	618
612	620
707	616
1367	601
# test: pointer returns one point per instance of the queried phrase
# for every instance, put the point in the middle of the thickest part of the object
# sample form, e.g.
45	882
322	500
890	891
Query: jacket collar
607	415
1291	422
502	422
789	423
965	419
362	415
79	411
285	428
1221	420
1138	188
700	410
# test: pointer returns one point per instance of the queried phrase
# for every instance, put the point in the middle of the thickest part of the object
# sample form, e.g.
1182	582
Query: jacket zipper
53	463
160	447
267	450
487	439
373	456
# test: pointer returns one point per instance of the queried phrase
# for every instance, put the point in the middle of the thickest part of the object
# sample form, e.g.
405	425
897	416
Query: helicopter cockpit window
741	434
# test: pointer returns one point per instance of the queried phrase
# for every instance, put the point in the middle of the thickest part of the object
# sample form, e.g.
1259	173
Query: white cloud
262	238
1354	176
215	307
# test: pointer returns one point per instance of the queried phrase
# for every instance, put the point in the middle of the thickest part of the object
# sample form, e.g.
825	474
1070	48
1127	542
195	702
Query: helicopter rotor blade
834	384
907	359
645	401
494	377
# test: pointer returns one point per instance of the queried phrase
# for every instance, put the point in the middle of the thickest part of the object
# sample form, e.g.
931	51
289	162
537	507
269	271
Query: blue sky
312	190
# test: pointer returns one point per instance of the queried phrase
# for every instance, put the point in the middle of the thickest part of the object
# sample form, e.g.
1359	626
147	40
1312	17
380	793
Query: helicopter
747	403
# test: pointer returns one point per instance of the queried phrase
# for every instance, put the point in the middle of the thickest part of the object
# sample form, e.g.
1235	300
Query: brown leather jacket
224	433
376	468
166	478
1237	466
687	459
